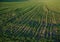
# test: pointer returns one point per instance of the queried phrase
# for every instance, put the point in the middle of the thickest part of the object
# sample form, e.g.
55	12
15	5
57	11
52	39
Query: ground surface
30	21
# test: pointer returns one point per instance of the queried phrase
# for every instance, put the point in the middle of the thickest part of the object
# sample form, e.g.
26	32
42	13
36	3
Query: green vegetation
12	0
29	22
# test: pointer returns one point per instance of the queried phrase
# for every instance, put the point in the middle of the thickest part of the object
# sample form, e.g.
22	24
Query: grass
29	22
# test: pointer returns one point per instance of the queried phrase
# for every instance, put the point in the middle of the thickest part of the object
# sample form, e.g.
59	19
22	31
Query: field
29	21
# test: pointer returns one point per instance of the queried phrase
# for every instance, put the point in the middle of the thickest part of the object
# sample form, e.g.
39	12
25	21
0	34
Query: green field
30	21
